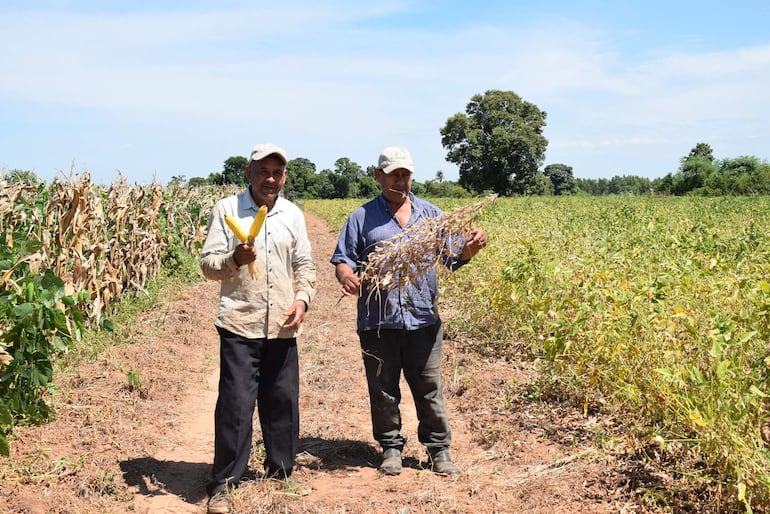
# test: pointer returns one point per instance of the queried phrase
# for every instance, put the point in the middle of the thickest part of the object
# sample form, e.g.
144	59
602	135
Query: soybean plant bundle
402	259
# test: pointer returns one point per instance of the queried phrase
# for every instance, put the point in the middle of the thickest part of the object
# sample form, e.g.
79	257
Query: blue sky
152	90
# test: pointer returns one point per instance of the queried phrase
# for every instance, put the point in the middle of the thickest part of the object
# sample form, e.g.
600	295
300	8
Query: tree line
348	179
498	146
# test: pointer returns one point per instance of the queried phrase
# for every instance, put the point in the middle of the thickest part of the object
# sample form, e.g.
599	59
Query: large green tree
561	177
234	171
498	144
702	150
346	178
368	187
325	186
744	175
300	180
695	170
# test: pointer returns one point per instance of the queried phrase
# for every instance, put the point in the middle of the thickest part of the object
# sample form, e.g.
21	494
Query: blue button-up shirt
410	307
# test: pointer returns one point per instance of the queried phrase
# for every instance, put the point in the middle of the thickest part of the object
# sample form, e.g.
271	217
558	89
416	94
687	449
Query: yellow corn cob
236	228
259	220
243	237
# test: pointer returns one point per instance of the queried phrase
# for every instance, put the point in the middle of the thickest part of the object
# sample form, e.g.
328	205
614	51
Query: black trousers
265	372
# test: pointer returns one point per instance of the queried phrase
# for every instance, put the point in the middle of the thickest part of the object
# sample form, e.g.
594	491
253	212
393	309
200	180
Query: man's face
266	177
395	185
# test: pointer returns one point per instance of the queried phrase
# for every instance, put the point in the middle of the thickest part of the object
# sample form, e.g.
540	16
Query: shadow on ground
333	454
153	477
336	453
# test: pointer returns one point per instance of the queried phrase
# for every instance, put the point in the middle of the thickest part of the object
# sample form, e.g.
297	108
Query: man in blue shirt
400	329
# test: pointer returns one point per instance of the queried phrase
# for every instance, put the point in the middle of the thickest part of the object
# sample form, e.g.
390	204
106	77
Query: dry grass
401	260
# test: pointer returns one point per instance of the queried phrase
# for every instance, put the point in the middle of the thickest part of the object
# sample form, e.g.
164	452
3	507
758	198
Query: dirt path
119	447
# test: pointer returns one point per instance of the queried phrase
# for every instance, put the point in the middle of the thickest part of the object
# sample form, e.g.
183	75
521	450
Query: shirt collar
246	202
418	207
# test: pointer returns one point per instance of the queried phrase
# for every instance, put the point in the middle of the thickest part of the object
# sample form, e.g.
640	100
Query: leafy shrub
40	322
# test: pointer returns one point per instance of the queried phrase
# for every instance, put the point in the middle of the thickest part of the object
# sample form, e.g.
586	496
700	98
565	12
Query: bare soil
134	430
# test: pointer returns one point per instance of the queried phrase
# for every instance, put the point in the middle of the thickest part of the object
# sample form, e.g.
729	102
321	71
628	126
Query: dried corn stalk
101	240
402	259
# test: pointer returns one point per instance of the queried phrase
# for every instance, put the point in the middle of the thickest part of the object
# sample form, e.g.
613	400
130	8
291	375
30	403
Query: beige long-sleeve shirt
286	270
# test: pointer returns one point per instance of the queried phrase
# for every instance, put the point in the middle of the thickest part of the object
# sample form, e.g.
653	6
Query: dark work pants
418	354
265	371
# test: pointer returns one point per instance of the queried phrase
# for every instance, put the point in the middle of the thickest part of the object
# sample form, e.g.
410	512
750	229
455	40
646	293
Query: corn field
71	249
102	240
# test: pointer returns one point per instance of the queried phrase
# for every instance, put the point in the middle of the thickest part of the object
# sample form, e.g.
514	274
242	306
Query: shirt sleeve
455	245
303	266
216	259
348	249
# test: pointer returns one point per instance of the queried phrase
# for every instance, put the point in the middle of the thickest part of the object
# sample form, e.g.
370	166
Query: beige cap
394	157
263	150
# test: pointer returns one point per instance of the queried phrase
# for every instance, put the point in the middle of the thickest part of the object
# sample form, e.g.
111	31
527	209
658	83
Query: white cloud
319	78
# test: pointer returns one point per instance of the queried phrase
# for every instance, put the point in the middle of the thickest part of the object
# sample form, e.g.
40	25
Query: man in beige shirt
258	320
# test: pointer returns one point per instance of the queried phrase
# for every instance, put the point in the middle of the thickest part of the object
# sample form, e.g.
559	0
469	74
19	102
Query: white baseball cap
395	157
263	150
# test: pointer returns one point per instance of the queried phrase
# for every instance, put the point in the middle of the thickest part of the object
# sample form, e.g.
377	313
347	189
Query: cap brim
388	169
260	156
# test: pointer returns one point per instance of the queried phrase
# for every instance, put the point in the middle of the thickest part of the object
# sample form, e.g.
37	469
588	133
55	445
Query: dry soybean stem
402	259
